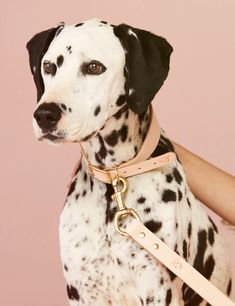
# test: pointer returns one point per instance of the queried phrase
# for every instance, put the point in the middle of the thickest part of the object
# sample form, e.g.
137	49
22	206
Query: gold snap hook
118	195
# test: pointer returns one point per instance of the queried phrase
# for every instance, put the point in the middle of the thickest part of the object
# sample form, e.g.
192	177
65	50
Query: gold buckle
118	195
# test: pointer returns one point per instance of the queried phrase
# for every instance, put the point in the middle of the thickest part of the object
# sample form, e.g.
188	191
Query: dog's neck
119	140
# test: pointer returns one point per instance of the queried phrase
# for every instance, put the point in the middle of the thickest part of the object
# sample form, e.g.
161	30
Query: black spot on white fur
211	237
65	268
229	288
69	48
147	210
169	178
98	159
111	152
179	195
91	184
149	300
60	60
97	110
185	249
110	211
141	200
189	229
213	224
168	297
72	187
78	24
112	138
201	249
168	196
123	133
209	266
171	274
177	176
103	150
189	204
153	226
121	100
72	293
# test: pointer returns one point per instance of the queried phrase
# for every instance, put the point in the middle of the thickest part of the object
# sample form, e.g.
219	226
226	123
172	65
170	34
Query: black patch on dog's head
37	47
147	64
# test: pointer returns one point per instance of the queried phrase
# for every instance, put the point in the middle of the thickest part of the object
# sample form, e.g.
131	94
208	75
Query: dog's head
85	73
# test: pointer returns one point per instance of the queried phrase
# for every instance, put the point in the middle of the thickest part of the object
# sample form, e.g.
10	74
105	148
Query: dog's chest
89	242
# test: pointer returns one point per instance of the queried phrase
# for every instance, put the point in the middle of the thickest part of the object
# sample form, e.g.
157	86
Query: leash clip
123	210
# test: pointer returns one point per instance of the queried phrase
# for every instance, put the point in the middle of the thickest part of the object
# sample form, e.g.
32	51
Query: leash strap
158	249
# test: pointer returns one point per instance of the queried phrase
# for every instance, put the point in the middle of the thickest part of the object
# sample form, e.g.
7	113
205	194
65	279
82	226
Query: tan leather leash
177	264
140	233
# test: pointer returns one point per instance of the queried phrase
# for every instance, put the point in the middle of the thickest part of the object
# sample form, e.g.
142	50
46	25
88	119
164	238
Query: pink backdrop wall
195	106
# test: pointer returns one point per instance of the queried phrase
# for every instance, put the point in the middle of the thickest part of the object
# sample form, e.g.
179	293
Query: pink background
195	107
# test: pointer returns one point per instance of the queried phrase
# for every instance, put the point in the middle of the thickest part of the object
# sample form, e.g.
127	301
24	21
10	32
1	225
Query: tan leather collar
139	163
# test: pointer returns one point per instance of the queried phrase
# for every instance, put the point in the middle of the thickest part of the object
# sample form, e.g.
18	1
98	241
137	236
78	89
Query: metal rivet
155	246
141	235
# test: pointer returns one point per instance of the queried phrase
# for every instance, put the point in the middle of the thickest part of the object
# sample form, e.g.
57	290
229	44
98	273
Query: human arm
211	185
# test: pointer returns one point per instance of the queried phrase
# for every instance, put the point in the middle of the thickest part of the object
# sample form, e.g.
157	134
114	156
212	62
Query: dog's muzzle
47	116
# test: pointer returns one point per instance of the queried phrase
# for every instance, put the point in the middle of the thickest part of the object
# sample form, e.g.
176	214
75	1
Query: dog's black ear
147	65
37	47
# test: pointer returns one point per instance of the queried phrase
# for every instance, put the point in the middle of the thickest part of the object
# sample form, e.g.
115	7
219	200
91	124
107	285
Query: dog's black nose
47	116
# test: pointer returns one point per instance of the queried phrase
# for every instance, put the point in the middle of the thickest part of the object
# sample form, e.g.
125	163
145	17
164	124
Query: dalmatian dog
95	82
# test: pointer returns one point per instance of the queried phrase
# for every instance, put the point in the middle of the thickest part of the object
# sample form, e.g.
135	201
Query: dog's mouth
51	137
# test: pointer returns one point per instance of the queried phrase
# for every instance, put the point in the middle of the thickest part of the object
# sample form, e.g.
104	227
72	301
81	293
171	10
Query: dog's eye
95	67
49	68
